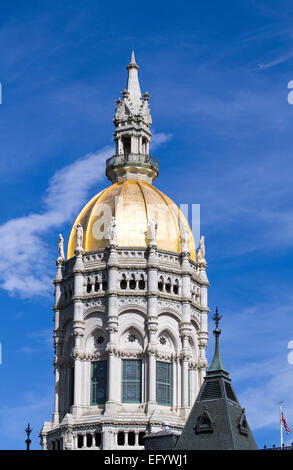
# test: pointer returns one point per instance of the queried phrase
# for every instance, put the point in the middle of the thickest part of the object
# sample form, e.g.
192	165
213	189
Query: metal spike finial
28	430
217	318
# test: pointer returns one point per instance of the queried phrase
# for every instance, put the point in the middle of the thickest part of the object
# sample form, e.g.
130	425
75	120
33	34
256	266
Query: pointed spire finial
132	60
132	64
217	363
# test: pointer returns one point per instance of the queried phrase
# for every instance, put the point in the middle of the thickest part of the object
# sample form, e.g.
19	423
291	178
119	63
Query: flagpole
281	423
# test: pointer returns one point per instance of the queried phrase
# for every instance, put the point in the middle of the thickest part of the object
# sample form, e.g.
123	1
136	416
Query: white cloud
262	401
158	139
23	268
24	258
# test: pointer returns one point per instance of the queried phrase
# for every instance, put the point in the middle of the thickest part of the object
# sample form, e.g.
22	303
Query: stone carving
170	304
202	363
61	247
185	236
79	237
152	231
132	300
112	231
94	303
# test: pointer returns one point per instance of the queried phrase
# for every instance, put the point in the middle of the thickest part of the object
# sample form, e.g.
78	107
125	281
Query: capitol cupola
132	136
131	307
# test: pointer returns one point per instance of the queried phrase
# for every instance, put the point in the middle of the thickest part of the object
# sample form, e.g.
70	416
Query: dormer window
243	425
204	423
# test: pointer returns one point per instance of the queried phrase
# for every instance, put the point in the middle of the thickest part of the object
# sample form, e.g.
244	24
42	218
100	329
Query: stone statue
202	249
199	257
152	231
185	236
60	247
112	231
79	237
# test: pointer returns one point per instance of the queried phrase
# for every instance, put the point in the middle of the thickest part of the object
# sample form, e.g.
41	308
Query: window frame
138	399
105	384
169	383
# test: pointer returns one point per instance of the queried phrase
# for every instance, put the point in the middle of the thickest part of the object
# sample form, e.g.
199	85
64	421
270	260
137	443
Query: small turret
132	135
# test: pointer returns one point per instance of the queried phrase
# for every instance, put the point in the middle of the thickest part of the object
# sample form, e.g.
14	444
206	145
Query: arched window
132	282
141	284
123	283
176	287
168	285
160	284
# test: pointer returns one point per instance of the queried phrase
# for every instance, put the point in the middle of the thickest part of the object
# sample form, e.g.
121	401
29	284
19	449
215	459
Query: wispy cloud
260	383
278	60
34	408
23	262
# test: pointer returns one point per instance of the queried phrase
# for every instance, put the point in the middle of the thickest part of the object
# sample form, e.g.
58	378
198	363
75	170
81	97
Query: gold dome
132	203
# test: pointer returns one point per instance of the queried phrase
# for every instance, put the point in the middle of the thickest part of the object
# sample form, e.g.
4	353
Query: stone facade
110	305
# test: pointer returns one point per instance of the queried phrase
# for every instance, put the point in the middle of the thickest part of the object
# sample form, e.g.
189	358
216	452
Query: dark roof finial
28	430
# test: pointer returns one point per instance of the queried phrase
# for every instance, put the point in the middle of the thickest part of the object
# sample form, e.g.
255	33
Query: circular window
100	340
131	338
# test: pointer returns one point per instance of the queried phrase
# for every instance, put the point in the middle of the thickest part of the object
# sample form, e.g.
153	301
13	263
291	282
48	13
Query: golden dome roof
132	202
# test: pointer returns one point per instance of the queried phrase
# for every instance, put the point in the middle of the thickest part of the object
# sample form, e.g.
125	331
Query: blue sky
218	75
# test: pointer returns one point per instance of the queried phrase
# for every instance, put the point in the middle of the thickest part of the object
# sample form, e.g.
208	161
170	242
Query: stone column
112	327
78	331
106	438
58	337
203	334
185	329
152	325
140	144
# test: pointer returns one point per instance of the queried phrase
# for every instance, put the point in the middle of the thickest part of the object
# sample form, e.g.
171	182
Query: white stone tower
130	303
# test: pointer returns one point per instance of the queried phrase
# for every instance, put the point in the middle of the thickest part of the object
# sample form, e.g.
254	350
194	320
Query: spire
217	363
132	85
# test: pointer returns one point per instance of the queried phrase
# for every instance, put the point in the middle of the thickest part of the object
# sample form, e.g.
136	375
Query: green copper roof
217	363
